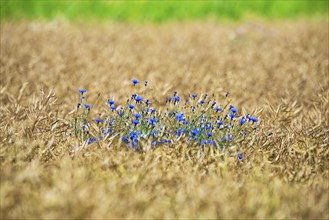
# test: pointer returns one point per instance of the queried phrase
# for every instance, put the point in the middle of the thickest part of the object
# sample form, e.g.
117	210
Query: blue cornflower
131	106
218	109
202	102
203	142
179	132
91	140
113	108
195	132
135	142
153	121
180	117
233	110
98	120
232	115
212	142
82	91
153	110
220	123
194	96
230	137
111	102
135	81
138	98
209	134
155	133
87	106
133	135
240	156
135	122
124	139
176	99
137	116
242	121
254	120
208	126
121	114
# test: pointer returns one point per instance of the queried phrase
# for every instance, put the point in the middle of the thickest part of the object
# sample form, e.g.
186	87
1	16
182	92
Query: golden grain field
278	70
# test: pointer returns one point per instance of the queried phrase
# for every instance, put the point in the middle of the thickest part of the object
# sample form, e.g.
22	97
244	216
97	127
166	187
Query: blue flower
233	110
133	135
87	106
230	137
147	102
137	116
82	91
180	117
212	142
111	102
220	123
209	134
135	122
124	139
121	114
135	81
194	96
232	115
91	140
202	102
240	156
176	99
153	110
113	108
208	126
203	142
138	98
242	121
155	133
98	120
254	120
218	109
131	106
195	132
153	121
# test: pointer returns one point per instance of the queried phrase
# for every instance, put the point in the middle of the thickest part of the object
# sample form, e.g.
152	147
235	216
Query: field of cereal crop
275	70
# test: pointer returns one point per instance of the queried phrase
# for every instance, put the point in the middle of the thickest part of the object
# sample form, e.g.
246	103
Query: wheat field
276	69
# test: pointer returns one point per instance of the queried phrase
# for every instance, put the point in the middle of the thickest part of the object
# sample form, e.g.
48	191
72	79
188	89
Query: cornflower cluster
198	121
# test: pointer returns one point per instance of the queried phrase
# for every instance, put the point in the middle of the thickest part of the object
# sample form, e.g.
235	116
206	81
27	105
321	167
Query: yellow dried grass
279	70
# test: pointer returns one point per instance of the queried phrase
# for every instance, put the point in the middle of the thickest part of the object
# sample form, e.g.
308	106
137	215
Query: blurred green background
156	11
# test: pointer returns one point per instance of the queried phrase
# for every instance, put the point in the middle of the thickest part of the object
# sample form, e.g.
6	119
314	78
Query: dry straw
280	69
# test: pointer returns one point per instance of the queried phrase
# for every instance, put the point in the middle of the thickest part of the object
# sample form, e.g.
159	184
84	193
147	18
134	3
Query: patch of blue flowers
197	121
